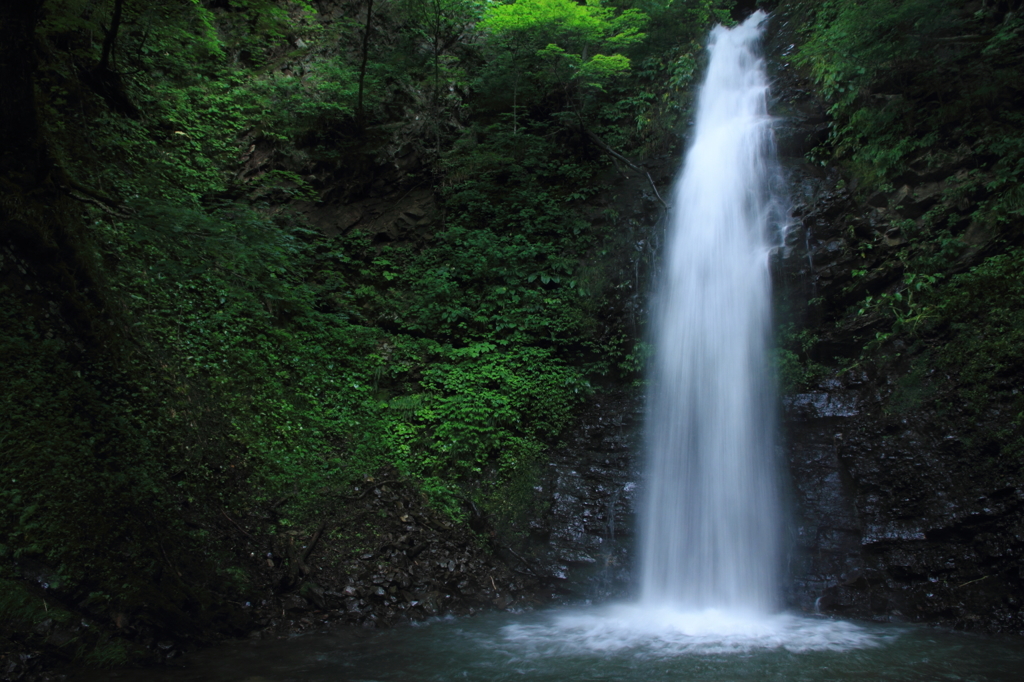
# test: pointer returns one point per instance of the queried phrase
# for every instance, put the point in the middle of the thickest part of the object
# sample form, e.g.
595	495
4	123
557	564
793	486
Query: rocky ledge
381	556
418	565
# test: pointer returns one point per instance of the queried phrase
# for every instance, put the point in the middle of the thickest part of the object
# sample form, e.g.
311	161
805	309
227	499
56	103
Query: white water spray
710	525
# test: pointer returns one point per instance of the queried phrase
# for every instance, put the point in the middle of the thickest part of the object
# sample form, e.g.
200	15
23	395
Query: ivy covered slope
926	101
915	320
257	251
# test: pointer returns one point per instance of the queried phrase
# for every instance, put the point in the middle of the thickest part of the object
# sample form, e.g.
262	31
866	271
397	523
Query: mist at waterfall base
541	647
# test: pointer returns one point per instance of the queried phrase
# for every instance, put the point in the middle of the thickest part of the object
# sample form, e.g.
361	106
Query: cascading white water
710	524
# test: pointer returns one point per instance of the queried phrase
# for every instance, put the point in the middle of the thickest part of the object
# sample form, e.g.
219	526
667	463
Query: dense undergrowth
217	351
925	103
194	327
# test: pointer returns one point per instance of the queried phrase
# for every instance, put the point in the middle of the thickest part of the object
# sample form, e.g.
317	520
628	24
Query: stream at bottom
622	643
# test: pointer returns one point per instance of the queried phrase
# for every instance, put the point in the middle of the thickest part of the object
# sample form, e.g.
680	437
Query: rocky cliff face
900	512
583	544
902	509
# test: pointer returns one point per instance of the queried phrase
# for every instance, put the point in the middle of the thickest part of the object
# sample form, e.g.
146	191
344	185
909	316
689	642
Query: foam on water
667	632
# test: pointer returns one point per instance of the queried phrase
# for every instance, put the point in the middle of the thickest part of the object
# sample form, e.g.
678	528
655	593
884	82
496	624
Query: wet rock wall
900	510
583	545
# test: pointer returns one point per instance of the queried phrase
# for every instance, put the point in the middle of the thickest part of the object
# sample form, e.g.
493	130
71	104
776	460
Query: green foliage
968	330
223	292
242	356
794	368
665	66
441	24
18	604
202	99
985	311
560	43
499	406
532	22
323	98
73	456
507	320
878	61
856	48
925	93
906	307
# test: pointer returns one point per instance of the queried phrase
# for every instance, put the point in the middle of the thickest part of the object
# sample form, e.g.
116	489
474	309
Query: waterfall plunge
710	525
711	521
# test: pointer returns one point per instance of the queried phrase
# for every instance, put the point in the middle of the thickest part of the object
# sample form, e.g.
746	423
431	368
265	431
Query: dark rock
312	592
899	511
293	603
584	542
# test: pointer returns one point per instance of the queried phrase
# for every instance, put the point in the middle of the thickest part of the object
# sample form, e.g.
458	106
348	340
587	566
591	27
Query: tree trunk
362	66
111	37
436	96
20	152
37	218
104	81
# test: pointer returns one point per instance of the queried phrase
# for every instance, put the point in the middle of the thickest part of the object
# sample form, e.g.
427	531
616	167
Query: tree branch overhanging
639	169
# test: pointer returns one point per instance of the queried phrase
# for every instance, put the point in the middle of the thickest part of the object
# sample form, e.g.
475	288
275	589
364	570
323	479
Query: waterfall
711	519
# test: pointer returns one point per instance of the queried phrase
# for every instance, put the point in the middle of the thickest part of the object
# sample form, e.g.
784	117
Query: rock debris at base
420	565
384	557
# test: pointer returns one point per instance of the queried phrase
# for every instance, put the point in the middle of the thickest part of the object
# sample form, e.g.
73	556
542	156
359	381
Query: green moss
912	389
18	604
985	311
